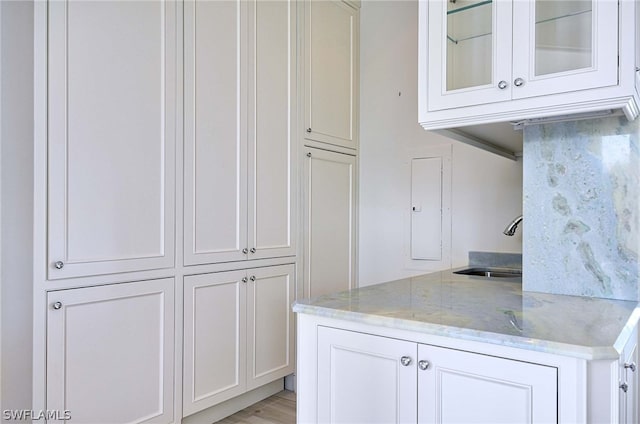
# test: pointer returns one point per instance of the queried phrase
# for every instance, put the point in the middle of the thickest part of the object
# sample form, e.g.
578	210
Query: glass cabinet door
561	46
469	52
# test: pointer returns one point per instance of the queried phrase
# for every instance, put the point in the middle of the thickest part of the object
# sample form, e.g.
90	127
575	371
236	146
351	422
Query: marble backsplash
581	194
495	259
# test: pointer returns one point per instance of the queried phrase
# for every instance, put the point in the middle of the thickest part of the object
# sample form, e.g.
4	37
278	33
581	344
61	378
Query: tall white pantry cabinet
330	155
168	180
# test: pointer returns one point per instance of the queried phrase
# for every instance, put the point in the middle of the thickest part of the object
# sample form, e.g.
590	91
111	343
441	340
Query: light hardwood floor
277	409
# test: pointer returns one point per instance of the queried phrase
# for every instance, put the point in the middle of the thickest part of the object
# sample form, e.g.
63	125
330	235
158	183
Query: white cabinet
214	339
126	95
629	381
456	387
331	73
110	352
367	378
361	378
329	222
238	333
110	134
561	47
240	114
493	61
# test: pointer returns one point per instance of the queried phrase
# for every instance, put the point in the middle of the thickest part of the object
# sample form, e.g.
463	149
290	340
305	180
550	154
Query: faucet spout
511	228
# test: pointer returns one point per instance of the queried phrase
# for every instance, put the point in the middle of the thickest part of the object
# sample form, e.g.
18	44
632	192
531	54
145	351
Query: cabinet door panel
329	222
214	339
469	53
111	136
629	375
468	387
564	46
215	131
330	76
110	352
272	152
270	335
361	378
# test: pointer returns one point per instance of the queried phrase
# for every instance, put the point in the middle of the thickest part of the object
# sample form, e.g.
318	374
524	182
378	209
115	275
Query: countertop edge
539	345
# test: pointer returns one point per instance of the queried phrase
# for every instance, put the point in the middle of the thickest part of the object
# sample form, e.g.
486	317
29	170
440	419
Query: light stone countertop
487	310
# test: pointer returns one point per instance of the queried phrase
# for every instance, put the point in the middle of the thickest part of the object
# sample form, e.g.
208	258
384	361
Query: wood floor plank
277	409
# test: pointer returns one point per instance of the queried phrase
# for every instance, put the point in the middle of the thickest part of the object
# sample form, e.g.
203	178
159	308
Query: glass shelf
566	15
454	41
468	7
458	39
467	26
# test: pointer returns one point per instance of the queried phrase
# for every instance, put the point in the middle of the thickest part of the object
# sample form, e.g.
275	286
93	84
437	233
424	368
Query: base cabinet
456	386
238	333
629	382
361	378
367	378
110	352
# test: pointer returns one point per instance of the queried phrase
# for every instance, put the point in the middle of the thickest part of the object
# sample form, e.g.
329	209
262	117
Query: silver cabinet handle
624	387
252	278
56	305
518	82
244	279
423	364
502	85
245	250
59	265
253	250
308	130
631	366
405	360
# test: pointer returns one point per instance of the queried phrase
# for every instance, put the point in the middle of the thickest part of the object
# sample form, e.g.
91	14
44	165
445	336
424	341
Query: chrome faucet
511	228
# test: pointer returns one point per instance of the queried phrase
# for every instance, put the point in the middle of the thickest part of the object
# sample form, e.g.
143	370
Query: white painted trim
510	111
40	204
1	222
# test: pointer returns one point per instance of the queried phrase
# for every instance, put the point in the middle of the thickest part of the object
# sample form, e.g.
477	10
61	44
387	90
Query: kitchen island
444	347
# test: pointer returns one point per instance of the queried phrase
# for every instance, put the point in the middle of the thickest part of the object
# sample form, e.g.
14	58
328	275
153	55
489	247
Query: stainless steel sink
491	272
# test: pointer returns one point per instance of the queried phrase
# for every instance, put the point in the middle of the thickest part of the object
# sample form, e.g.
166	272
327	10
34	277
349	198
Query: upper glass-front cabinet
469	44
561	46
486	51
563	36
469	49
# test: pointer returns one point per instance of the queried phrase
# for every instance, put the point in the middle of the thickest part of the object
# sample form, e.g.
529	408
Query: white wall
486	190
16	178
